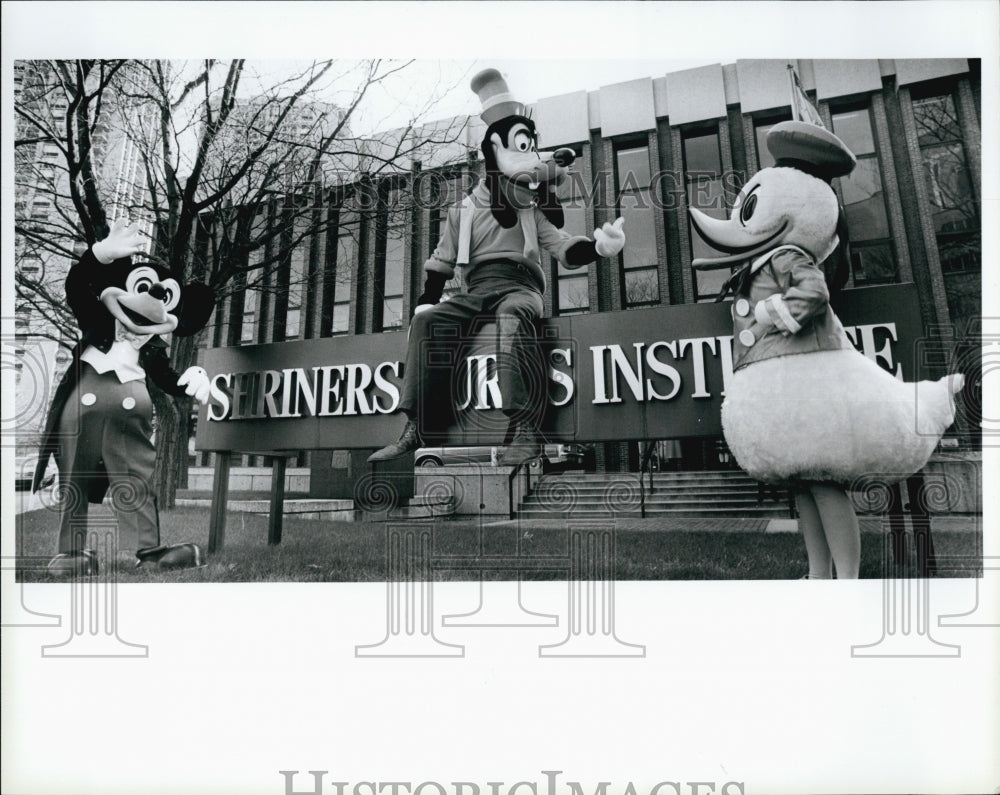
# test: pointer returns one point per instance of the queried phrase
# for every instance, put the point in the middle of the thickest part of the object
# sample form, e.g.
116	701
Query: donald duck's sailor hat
809	148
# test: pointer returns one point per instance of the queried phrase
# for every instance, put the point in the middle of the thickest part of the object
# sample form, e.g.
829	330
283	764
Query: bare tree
232	169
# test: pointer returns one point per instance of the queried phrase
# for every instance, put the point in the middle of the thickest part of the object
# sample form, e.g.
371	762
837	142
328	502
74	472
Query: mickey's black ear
197	303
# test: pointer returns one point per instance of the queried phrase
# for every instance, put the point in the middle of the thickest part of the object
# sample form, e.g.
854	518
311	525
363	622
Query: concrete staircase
682	494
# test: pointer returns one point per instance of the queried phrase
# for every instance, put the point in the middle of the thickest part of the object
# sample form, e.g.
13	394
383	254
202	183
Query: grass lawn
313	551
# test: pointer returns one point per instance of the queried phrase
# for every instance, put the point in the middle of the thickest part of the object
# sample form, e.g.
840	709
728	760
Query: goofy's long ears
549	204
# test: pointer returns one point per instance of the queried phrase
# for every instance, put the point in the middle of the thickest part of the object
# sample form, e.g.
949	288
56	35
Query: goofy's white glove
122	241
197	382
610	239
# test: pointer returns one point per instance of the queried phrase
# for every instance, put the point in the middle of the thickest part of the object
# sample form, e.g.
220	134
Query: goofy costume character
495	235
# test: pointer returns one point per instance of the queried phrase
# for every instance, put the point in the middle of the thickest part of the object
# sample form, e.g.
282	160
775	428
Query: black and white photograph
482	398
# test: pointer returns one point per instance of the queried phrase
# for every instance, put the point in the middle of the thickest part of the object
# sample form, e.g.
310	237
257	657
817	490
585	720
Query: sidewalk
341	510
735	524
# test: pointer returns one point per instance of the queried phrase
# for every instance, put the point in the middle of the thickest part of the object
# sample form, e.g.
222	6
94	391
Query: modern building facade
648	150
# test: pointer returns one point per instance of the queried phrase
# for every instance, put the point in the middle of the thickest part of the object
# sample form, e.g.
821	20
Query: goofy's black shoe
408	442
523	447
173	556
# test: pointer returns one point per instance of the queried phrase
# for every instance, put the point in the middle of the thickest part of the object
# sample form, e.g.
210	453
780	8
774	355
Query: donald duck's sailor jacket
785	310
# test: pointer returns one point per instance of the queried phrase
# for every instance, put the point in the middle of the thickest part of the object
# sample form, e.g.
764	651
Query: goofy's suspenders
464	231
528	229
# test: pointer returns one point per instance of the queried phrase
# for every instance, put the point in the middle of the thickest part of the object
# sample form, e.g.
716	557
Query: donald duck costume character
804	407
495	235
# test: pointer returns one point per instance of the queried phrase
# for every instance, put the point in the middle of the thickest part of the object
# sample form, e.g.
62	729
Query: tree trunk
173	425
167	438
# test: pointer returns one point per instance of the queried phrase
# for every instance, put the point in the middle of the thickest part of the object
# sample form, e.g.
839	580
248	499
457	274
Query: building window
872	257
390	284
761	128
296	280
248	331
639	272
949	188
343	276
573	284
703	183
251	298
447	193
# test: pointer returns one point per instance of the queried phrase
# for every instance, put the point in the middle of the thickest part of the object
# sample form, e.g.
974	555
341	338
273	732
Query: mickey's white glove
122	241
197	382
610	239
422	308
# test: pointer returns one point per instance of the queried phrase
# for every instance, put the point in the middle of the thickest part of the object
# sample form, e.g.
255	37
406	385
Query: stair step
704	493
678	500
705	513
660	482
713	493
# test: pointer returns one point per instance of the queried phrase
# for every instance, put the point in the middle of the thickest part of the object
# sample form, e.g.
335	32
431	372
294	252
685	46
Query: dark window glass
872	258
572	284
642	287
873	263
573	294
701	154
347	261
633	168
703	181
296	281
639	221
854	128
395	262
639	263
392	304
449	194
949	189
764	158
864	202
251	300
937	120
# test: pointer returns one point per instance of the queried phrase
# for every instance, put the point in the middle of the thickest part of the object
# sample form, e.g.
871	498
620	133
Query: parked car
444	456
24	470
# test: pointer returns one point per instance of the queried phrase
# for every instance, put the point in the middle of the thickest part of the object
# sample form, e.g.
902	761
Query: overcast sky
545	48
529	80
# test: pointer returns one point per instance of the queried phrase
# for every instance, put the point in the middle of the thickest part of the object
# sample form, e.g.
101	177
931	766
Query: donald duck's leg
811	525
840	528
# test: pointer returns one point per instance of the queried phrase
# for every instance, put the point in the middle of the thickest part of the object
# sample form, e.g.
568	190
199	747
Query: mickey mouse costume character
495	235
100	422
804	407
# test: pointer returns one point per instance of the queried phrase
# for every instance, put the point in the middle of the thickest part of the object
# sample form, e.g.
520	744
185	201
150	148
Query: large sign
655	373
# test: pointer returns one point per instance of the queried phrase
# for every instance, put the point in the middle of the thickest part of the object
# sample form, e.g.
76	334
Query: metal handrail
510	485
644	467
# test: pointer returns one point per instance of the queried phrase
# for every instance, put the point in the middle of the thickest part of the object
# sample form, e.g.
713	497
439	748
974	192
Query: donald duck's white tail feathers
936	403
